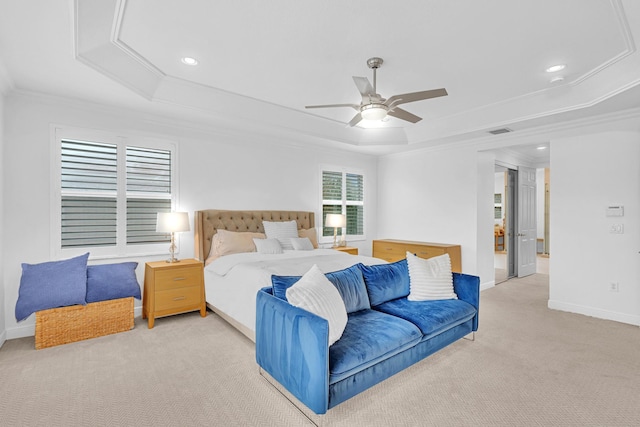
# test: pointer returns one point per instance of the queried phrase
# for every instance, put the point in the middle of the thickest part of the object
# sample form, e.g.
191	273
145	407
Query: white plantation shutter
89	194
343	193
110	194
148	192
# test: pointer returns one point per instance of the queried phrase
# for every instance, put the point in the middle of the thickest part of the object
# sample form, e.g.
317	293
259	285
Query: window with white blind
110	191
343	193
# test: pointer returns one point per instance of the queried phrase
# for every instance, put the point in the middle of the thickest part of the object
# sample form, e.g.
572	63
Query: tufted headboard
209	221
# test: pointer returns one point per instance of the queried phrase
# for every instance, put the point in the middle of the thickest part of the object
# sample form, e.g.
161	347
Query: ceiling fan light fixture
373	111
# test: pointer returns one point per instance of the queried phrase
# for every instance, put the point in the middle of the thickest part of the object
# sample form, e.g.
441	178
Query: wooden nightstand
172	288
348	249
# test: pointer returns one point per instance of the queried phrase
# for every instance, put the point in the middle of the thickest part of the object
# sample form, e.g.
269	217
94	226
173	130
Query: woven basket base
64	325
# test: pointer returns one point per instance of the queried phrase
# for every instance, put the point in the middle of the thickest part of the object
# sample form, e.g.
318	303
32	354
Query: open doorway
521	249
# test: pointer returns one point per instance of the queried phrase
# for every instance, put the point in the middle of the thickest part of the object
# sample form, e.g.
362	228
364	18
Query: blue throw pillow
349	283
52	284
112	281
386	282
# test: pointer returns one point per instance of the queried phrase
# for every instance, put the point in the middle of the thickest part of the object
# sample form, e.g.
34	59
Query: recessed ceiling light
555	68
189	60
556	79
542	147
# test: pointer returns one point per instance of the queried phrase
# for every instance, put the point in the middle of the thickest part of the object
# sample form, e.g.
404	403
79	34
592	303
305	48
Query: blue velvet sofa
385	332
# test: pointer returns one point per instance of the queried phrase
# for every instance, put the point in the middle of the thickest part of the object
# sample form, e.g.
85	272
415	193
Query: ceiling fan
375	107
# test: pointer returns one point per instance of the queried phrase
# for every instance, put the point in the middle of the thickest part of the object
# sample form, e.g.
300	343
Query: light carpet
529	366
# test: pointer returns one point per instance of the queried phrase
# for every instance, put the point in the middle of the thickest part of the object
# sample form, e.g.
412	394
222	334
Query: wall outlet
616	229
614	287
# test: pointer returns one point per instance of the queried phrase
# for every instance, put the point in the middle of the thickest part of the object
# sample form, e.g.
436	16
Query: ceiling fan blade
415	96
404	115
364	87
354	106
356	119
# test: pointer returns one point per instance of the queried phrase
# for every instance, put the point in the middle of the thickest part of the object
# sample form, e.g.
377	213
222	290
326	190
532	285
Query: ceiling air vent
499	131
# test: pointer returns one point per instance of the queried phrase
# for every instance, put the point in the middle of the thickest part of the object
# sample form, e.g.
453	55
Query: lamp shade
335	220
172	222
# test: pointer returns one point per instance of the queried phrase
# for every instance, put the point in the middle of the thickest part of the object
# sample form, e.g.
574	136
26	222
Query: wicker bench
64	325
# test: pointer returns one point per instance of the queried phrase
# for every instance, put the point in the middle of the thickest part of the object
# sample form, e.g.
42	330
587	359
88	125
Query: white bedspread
232	281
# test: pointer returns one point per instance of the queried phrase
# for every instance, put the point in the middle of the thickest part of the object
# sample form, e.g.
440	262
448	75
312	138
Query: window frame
121	249
344	203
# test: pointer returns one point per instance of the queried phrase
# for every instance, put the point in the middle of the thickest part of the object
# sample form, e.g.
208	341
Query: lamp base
172	260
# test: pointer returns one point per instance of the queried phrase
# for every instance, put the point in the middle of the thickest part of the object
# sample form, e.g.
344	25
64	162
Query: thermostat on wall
615	210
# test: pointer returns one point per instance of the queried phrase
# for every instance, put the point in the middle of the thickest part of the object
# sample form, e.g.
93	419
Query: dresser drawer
388	251
181	297
424	251
178	278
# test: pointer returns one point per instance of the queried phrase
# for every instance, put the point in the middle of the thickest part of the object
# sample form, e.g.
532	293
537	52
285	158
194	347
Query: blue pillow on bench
112	281
52	284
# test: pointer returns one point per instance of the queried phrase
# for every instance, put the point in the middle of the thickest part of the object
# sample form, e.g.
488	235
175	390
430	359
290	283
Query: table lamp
336	221
172	222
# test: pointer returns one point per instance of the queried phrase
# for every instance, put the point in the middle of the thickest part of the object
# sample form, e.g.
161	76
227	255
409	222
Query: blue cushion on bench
369	337
112	281
349	282
432	317
52	284
386	282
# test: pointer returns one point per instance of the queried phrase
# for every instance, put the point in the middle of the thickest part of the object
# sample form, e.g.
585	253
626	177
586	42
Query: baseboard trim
3	338
487	285
594	312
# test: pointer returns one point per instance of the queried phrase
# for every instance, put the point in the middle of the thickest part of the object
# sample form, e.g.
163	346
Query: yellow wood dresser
172	288
395	250
348	249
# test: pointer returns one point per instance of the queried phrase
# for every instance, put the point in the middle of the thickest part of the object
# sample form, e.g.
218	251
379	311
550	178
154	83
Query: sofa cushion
430	279
349	282
112	281
386	282
432	317
315	294
370	336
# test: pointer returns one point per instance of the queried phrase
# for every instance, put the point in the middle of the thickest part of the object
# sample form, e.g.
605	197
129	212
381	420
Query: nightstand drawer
178	278
181	297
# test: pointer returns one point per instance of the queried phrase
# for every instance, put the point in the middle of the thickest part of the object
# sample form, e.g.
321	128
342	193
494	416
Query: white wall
216	170
433	196
589	173
540	192
3	331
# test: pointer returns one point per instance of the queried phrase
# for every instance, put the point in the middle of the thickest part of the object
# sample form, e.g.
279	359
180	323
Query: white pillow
316	294
281	230
268	246
430	279
301	244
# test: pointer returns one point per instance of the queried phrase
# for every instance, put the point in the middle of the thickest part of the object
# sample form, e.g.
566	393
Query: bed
233	280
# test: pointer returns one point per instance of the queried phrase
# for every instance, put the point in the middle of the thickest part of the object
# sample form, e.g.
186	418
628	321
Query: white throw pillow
430	279
268	246
316	294
301	244
281	230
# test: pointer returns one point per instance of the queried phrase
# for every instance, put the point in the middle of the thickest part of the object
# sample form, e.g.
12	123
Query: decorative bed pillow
268	246
386	282
349	283
430	279
281	230
301	243
112	281
311	234
314	293
52	284
227	242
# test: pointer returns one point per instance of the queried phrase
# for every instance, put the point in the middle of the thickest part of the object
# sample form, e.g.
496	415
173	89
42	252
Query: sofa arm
467	288
292	345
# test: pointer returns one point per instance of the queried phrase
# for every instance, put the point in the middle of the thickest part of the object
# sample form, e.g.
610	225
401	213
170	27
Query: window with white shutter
343	193
110	192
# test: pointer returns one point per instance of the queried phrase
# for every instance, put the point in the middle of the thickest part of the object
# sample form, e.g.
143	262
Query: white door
526	226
